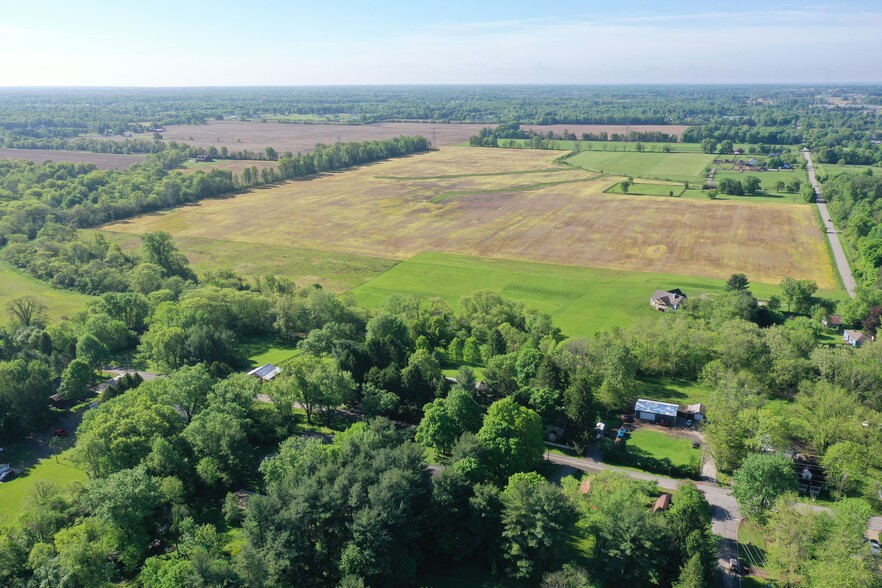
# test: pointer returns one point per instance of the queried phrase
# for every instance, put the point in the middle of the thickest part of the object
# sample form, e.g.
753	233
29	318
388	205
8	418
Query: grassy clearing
663	166
674	390
832	169
261	351
581	300
59	303
12	492
661	446
337	272
647	189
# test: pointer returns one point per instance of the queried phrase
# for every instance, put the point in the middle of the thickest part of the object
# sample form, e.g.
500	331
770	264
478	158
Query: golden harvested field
101	160
510	204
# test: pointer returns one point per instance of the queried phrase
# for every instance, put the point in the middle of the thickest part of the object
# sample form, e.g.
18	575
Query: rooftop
653	406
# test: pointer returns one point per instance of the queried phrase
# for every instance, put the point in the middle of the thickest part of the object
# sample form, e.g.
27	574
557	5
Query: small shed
695	412
653	411
663	503
855	338
266	372
833	321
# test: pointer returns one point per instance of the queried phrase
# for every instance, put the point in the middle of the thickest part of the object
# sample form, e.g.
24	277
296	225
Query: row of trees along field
80	195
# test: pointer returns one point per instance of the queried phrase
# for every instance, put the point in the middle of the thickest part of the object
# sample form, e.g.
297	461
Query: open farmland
256	136
665	166
101	160
509	204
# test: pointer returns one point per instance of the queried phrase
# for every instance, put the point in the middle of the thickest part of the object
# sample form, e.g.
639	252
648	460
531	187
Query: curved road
838	253
724	509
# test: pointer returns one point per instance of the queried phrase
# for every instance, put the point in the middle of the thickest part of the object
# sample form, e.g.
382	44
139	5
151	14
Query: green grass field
674	390
653	165
615	146
12	492
660	445
832	169
261	351
337	272
581	300
59	303
648	189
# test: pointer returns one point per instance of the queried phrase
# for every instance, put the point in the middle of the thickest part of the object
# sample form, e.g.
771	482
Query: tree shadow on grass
629	455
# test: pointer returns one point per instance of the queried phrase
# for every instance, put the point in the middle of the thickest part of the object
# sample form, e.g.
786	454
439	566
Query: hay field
59	303
508	204
101	160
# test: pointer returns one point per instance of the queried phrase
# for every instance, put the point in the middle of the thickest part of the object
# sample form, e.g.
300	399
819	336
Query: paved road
724	509
838	253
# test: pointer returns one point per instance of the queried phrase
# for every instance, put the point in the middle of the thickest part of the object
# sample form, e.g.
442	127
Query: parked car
875	548
688	422
7	475
733	565
696	445
60	433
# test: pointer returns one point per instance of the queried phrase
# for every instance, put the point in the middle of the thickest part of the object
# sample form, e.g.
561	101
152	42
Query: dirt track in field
514	204
101	160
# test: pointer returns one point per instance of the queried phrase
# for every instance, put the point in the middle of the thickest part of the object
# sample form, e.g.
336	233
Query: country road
838	252
724	509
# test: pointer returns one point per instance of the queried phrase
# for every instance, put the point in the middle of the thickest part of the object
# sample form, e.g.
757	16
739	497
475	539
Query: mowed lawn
661	445
60	473
59	303
504	204
582	301
664	166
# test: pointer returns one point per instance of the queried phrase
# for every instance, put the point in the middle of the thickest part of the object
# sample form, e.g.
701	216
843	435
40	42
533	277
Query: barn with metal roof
654	411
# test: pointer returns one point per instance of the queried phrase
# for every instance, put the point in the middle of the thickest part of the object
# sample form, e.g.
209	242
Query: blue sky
275	42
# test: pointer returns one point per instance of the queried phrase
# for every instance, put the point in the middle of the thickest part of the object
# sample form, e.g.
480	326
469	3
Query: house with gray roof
266	372
664	300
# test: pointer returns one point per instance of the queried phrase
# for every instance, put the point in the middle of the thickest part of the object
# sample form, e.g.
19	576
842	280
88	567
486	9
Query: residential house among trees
855	338
266	372
834	321
664	300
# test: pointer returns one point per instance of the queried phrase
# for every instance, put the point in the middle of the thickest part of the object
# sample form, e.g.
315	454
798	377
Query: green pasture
661	166
261	351
561	145
832	169
646	189
59	303
581	300
660	445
